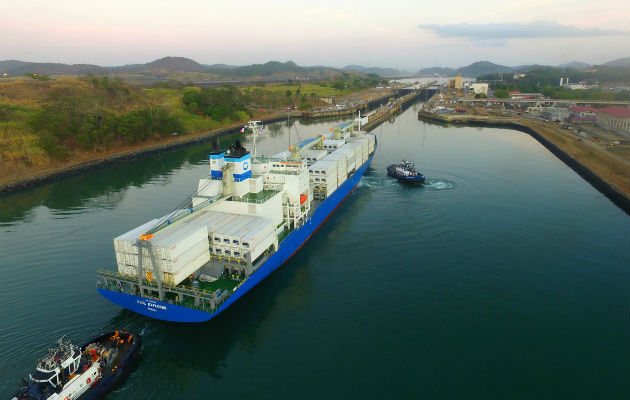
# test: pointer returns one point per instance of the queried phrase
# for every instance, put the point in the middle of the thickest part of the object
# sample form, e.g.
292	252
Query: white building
479	88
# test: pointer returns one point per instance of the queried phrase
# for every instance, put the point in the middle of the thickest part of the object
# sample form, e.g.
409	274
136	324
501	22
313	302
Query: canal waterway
506	276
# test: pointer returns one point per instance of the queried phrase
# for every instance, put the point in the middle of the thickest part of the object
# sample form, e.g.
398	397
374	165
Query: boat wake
377	182
438	184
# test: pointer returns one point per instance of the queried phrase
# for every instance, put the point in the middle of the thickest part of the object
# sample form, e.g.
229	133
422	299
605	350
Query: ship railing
277	171
207	301
264	159
249	198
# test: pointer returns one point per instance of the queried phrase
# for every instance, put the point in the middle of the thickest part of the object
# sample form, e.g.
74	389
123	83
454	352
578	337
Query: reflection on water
106	188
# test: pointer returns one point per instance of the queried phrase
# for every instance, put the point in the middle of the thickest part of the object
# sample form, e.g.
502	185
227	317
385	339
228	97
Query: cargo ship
246	218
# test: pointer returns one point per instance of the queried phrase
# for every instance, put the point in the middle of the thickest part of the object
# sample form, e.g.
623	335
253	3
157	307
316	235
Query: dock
393	108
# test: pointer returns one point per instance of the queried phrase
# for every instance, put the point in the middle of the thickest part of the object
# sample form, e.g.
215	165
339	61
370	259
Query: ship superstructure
247	217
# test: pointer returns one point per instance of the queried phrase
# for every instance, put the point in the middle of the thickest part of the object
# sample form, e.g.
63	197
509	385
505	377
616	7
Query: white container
130	261
171	242
188	269
312	155
340	159
234	233
333	144
126	241
257	233
263	245
322	168
324	180
226	232
341	179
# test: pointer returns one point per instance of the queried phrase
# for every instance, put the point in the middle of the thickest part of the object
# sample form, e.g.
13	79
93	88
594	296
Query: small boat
405	172
89	372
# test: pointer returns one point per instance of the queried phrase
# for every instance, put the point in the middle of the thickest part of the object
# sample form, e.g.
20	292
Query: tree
501	93
38	77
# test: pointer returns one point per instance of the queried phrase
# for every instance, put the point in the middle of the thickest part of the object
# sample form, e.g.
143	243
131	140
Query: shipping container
312	155
322	168
189	269
332	144
257	233
126	242
262	245
130	261
228	232
173	241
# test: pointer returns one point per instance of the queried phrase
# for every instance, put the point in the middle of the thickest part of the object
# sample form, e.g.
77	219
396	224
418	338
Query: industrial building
614	118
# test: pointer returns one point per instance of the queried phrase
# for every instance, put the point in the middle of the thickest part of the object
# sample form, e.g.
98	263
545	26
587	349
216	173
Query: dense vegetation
305	95
96	116
224	104
44	120
546	81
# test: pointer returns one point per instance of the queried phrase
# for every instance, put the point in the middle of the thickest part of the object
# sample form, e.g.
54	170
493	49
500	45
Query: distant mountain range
579	65
167	66
376	70
480	68
620	62
175	68
182	68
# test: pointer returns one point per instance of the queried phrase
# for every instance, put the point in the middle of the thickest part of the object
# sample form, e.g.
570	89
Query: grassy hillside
46	122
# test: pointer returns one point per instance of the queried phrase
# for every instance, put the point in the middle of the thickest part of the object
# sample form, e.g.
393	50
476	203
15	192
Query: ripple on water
377	182
381	182
438	184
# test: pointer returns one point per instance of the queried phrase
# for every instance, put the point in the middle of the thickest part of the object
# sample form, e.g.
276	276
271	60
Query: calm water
506	276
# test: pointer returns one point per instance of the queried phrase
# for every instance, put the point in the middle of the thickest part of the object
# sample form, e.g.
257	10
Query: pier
388	111
406	94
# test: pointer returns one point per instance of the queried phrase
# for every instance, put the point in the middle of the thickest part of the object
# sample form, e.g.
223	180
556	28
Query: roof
587	118
614	111
583	109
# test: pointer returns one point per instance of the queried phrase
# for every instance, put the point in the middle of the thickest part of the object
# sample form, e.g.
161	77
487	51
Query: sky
403	34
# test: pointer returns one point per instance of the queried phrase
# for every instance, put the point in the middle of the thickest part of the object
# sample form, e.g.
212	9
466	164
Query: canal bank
113	157
169	144
620	199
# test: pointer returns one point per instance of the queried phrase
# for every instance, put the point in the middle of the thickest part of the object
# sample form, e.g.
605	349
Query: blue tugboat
89	372
405	172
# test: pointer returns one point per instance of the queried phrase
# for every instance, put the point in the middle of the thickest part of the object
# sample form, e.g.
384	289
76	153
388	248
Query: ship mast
254	133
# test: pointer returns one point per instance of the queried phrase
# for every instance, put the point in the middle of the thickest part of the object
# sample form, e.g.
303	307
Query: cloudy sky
405	34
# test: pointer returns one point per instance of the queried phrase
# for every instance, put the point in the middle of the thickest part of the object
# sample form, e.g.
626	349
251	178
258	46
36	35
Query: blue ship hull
289	246
410	179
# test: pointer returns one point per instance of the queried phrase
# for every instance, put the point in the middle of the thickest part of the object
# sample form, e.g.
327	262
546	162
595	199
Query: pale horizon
406	35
